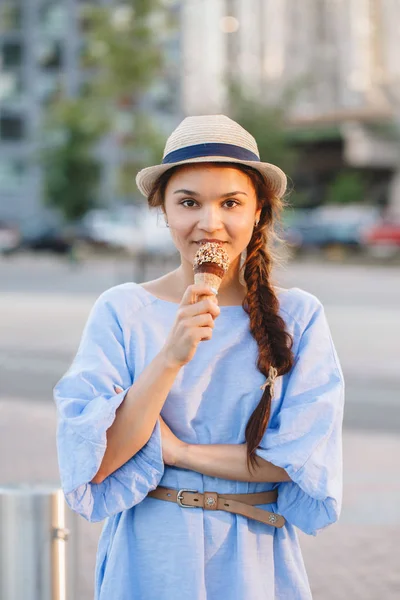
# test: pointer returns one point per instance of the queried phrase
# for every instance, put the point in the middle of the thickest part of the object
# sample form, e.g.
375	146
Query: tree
346	188
72	172
122	56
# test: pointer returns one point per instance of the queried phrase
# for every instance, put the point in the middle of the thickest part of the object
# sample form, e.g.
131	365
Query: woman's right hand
194	323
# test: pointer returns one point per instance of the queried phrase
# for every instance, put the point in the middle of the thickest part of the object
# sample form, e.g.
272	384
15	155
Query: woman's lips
211	241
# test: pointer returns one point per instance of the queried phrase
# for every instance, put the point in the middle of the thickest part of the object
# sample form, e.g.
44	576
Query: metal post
38	544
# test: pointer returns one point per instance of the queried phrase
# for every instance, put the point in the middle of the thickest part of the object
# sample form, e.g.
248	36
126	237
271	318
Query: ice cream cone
210	265
207	279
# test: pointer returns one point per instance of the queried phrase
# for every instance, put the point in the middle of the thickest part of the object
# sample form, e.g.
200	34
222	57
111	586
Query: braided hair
275	356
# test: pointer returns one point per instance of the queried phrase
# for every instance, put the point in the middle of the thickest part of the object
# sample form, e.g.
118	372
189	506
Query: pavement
43	306
357	558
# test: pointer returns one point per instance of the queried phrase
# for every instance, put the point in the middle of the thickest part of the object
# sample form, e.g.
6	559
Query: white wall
203	56
343	49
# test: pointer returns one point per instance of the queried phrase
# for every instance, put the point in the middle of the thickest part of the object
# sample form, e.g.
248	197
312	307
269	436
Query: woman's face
210	202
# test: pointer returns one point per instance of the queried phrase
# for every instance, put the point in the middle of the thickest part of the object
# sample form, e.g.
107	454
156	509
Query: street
43	307
44	304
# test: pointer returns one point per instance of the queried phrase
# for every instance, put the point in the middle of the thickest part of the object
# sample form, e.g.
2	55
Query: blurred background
89	91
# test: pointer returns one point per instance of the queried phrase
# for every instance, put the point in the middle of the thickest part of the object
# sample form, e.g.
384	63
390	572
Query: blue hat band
212	149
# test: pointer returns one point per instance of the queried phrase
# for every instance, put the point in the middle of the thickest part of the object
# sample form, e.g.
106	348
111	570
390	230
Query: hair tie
272	375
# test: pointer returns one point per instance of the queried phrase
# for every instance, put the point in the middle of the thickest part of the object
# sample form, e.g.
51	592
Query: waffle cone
207	279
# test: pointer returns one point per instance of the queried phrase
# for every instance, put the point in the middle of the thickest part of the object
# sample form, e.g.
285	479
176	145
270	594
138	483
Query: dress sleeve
305	438
86	405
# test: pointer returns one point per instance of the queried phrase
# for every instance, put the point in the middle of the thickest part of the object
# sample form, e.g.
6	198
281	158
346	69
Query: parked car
383	238
37	235
132	228
10	237
327	226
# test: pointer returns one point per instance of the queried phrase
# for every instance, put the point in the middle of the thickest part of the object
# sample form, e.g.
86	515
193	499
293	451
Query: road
44	304
43	307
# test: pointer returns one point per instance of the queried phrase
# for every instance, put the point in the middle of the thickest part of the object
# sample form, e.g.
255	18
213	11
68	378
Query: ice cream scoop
210	265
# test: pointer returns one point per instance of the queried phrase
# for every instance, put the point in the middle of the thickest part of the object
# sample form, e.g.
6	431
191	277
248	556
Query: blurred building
341	55
40	49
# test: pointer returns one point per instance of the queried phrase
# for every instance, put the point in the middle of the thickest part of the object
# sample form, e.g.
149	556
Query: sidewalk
355	559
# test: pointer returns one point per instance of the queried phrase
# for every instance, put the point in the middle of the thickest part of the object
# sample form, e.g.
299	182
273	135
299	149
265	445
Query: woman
205	430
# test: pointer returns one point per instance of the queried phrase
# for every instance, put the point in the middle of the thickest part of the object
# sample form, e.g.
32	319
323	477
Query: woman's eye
232	201
226	201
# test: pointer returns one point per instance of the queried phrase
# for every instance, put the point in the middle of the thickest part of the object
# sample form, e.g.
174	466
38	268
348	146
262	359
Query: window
11	55
11	127
50	54
53	19
11	86
12	173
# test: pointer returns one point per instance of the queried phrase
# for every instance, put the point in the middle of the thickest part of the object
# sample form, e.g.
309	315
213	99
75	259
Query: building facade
342	55
41	43
344	51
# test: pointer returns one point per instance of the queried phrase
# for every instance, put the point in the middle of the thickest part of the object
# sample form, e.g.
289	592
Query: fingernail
214	291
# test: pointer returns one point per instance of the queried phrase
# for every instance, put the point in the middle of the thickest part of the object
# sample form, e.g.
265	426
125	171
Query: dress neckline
227	308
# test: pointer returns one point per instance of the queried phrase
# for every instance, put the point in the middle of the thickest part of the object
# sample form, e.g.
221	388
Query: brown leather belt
241	504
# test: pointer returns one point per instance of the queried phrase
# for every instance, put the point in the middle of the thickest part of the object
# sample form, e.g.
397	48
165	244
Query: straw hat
210	138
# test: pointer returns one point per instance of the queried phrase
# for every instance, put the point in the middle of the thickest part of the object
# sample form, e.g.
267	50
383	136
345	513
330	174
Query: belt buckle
179	497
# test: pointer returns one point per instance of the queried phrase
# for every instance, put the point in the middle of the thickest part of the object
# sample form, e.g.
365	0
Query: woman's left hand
172	447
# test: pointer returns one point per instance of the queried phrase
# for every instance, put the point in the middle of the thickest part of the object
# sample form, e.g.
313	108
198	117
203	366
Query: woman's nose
210	220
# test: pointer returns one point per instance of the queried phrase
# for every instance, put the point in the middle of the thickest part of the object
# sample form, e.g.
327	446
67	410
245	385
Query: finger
196	289
200	308
118	389
203	320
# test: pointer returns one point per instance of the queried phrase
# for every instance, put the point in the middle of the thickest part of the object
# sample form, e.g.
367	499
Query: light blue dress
150	549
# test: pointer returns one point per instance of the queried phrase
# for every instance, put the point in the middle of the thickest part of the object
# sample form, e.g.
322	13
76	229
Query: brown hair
261	302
